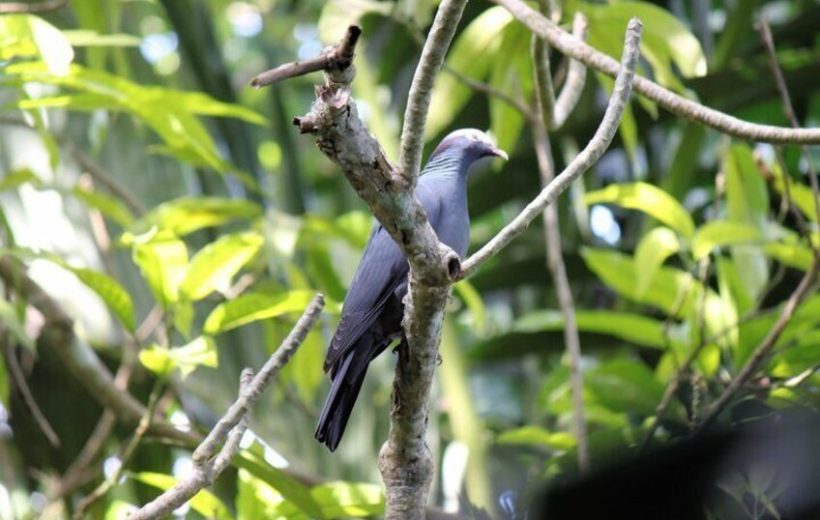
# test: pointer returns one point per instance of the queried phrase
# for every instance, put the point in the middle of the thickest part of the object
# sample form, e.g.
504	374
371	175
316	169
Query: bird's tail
344	389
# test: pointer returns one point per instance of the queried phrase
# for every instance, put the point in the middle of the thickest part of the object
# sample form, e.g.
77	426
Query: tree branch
576	78
80	358
765	347
552	234
572	47
338	57
209	460
582	162
421	89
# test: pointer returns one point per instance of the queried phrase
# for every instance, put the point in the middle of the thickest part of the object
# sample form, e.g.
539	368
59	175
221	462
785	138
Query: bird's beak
498	152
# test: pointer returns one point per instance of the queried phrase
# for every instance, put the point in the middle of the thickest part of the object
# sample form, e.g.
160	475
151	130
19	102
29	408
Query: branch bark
582	162
209	460
548	108
573	47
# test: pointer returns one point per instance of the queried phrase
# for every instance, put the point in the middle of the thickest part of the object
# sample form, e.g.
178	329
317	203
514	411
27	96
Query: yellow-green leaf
111	292
215	265
652	251
163	261
252	307
649	199
722	233
205	503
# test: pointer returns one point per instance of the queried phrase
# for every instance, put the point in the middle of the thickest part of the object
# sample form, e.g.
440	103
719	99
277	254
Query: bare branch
421	89
338	57
588	156
576	77
209	460
765	347
31	7
555	264
572	47
274	364
788	109
107	180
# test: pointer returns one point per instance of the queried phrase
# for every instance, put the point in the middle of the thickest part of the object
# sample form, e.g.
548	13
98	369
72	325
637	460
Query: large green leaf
623	385
110	291
473	54
187	358
671	290
652	251
29	36
512	75
254	306
172	114
721	233
270	486
633	328
666	41
349	500
16	178
204	502
649	199
215	265
538	437
163	261
188	214
301	369
800	194
747	202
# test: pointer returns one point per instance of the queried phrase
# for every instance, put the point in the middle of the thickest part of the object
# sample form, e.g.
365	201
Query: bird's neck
448	165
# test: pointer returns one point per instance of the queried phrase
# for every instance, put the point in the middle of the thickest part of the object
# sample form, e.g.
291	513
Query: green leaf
163	261
301	369
797	256
4	386
26	35
649	199
252	307
794	359
105	204
513	76
188	214
537	436
16	178
628	128
623	385
800	194
652	251
271	482
89	38
666	41
349	500
473	54
671	290
204	502
162	361
215	265
633	328
472	299
747	202
721	233
111	292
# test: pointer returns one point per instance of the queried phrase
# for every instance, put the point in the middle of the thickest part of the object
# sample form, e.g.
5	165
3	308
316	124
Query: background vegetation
181	222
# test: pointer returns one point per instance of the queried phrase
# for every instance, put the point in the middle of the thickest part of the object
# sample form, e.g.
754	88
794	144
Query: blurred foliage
679	239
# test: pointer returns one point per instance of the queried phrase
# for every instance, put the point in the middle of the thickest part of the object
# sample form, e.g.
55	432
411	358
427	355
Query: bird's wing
381	270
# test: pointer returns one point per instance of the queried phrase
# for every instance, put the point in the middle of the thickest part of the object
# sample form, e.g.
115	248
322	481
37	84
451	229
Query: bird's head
472	144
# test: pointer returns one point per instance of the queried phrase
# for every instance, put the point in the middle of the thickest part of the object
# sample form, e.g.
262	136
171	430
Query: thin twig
576	77
125	455
588	156
20	380
572	47
762	351
338	57
209	460
545	100
489	90
788	109
435	48
32	7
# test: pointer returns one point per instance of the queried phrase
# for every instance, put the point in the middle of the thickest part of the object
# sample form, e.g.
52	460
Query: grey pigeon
372	312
